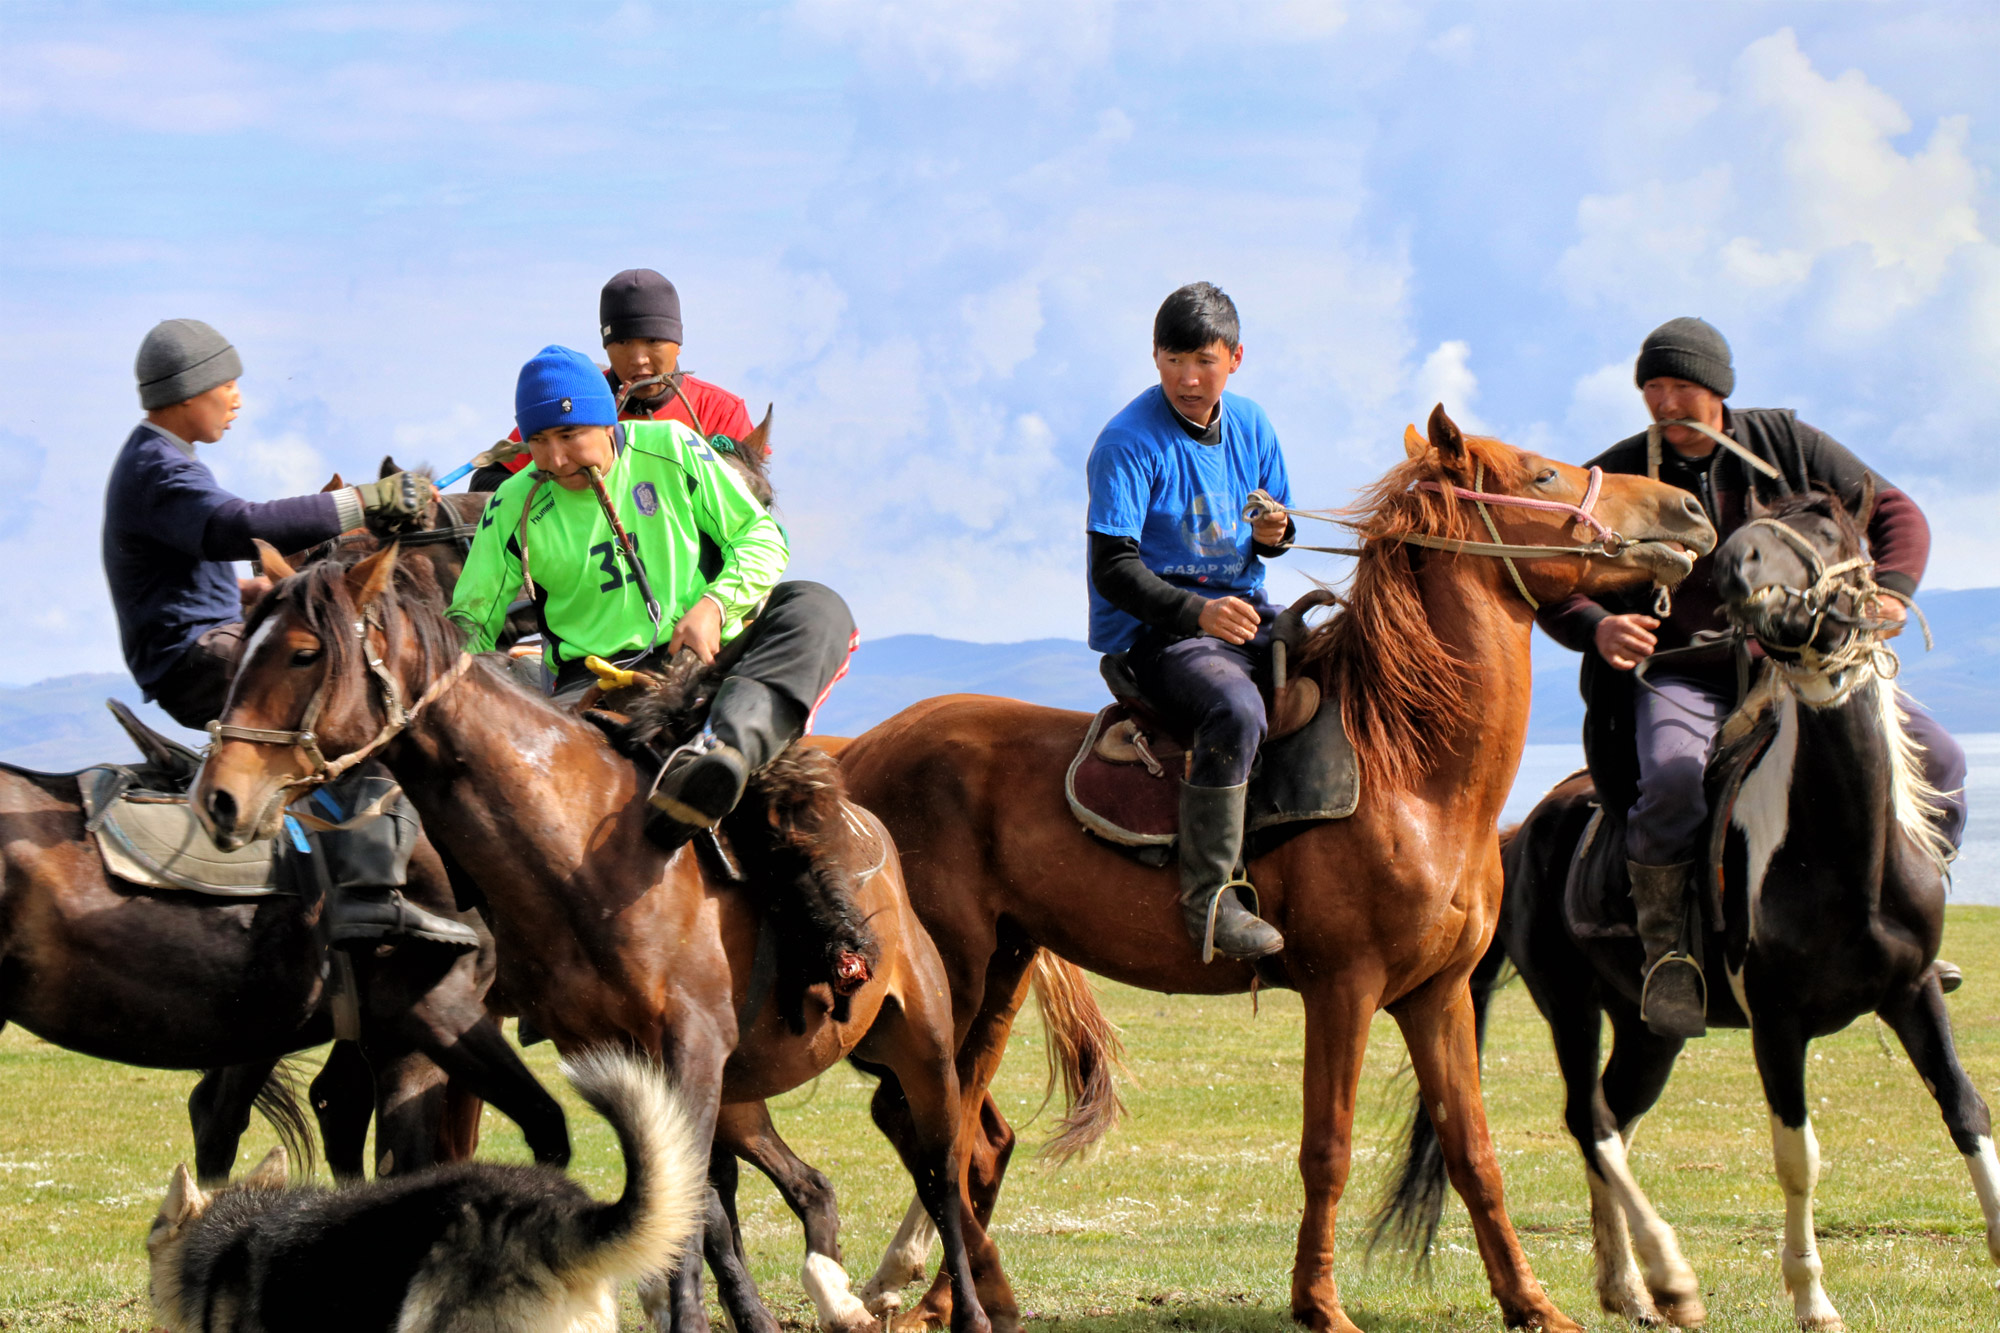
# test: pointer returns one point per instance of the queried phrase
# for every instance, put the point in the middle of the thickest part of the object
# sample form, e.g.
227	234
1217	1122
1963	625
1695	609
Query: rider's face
636	358
208	414
565	451
1670	399
1193	381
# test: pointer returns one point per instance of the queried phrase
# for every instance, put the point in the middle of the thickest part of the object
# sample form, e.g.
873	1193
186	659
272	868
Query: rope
1653	448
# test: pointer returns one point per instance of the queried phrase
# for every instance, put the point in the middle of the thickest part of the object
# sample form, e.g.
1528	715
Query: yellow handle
610	677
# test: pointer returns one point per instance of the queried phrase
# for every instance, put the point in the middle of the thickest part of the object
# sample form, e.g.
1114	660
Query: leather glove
397	499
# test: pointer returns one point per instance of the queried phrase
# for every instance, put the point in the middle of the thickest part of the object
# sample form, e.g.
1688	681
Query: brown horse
602	937
1390	908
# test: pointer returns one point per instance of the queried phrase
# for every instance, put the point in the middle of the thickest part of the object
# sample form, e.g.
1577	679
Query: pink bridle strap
1580	512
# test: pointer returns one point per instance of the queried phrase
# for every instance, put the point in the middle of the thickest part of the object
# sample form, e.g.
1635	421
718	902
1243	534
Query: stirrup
1677	956
1215	906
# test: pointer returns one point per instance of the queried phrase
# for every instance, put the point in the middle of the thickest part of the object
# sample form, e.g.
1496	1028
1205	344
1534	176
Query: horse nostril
1692	508
221	810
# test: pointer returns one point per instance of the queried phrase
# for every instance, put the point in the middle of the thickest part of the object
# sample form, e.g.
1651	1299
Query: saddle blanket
1125	783
153	838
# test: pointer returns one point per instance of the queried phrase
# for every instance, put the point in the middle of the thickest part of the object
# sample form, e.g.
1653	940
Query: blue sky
933	235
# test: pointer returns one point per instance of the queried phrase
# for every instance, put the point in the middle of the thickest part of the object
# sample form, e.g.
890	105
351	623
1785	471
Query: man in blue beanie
704	579
170	535
709	555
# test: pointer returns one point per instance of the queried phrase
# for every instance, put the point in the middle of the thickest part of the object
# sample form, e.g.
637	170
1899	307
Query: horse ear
184	1201
1753	502
389	468
271	561
756	446
370	578
1447	439
1865	510
1415	445
336	484
269	1174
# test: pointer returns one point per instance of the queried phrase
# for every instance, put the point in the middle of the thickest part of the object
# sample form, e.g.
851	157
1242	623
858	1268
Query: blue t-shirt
1183	501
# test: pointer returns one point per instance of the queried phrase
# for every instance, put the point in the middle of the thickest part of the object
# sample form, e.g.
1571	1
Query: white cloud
982	43
1446	377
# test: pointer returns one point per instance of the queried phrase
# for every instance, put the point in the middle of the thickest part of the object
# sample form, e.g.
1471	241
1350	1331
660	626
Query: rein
396	717
1596	536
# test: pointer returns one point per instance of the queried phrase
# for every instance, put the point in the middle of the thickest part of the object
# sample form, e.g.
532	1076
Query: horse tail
284	1109
1085	1053
1412	1203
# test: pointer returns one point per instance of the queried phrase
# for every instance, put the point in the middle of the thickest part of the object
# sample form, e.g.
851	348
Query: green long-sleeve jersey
700	533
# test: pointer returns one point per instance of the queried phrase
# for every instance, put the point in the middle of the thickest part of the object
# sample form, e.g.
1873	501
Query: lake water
1975	875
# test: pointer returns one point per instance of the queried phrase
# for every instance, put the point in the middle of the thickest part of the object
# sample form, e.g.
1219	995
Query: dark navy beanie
1688	349
562	388
639	303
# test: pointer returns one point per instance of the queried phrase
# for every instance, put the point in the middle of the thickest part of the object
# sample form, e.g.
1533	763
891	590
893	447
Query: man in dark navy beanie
171	534
1648	748
639	322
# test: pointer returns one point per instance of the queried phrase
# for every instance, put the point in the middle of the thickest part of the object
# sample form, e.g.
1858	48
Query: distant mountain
62	722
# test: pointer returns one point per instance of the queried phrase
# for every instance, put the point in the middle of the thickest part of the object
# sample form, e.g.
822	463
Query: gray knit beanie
1688	349
180	359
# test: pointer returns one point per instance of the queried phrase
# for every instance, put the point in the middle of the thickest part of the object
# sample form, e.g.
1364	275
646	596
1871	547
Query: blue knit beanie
562	388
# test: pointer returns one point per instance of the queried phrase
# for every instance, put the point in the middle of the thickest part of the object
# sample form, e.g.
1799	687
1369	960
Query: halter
396	720
1605	541
1854	577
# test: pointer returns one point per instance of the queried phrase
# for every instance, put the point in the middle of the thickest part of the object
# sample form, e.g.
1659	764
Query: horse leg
219	1112
1440	1030
745	1128
1781	1063
1008	979
918	1110
1634	1077
458	1128
484	1064
1338	1010
988	1143
722	1244
693	1051
1920	1021
343	1101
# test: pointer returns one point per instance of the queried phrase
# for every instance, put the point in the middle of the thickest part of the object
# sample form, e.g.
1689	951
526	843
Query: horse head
1796	576
331	663
1577	530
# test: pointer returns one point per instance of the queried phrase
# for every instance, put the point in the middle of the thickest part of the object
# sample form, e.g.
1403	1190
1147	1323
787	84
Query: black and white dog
468	1248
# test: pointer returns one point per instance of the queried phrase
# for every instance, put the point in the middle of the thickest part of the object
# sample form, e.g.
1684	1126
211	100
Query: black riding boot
365	865
1674	999
1211	848
748	724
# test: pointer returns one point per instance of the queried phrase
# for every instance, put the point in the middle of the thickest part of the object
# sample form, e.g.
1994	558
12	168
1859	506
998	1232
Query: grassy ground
1186	1220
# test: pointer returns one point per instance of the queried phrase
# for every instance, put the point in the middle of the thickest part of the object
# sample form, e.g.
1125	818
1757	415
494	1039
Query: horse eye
305	657
1545	476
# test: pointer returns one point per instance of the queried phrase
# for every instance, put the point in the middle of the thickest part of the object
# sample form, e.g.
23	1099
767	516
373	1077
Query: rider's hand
700	630
252	591
399	498
1230	619
1892	611
1625	641
1269	530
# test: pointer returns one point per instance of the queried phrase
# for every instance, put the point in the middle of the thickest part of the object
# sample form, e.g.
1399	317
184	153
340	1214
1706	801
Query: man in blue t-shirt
1177	585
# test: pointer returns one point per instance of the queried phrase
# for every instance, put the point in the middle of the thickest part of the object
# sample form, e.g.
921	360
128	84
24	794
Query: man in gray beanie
1647	748
170	535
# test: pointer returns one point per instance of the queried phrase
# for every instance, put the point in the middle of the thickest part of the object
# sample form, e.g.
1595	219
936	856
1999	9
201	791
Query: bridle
1829	585
1595	535
396	717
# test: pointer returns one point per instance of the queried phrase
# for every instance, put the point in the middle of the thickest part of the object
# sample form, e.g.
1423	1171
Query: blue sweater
169	535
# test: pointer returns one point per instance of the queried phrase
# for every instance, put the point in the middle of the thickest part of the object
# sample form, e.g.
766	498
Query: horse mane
1400	688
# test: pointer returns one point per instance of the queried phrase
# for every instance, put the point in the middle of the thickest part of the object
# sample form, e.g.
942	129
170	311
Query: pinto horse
1832	906
602	936
1388	908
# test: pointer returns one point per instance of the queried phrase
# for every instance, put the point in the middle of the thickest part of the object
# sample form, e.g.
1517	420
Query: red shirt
722	413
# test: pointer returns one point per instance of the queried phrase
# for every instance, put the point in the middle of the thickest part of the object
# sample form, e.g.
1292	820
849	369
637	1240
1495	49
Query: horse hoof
1827	1323
1637	1308
884	1305
1682	1312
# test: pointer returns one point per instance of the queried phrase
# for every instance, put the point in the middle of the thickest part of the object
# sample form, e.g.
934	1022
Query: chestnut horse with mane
1390	907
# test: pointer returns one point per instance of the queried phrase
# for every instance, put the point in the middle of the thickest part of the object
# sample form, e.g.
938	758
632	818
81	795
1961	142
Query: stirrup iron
1215	906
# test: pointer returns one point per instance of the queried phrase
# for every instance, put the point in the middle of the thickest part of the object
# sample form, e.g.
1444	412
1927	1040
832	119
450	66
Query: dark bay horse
1388	908
1831	907
602	937
174	980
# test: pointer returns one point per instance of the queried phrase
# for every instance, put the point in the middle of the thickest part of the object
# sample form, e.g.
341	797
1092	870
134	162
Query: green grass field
1186	1219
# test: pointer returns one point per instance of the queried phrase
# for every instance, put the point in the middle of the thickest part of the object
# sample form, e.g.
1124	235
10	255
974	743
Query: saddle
1597	892
148	834
1124	785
